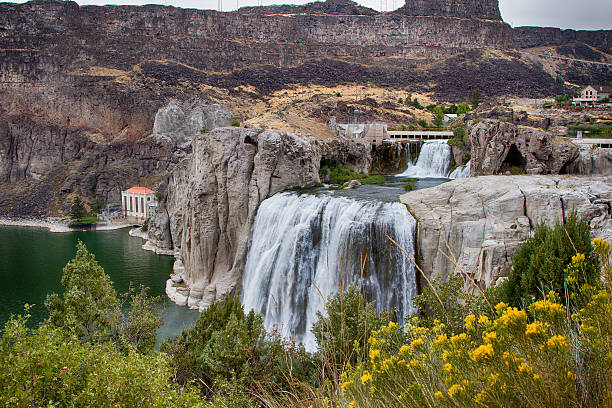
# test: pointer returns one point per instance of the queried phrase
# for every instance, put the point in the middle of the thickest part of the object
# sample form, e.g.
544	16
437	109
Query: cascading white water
433	162
298	245
461	171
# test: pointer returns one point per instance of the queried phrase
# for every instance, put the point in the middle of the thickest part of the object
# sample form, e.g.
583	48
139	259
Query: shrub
235	121
342	333
227	346
49	367
538	266
512	357
422	123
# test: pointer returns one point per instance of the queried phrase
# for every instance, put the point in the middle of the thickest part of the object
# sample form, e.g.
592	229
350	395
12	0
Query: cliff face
481	9
484	220
213	197
529	37
497	147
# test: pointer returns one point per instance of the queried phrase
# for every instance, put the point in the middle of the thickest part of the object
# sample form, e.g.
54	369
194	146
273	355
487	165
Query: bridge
418	135
605	143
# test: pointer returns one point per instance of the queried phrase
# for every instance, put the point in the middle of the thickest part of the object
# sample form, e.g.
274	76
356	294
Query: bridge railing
418	135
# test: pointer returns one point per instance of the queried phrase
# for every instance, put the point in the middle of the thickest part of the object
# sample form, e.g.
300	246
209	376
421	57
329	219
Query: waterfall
298	244
433	161
461	171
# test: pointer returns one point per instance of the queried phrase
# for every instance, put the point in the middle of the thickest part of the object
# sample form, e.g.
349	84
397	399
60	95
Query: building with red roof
138	202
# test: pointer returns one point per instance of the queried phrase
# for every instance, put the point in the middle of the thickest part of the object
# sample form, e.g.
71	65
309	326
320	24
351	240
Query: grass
594	131
338	174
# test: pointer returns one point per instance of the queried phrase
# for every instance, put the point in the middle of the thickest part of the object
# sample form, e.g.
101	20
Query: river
31	262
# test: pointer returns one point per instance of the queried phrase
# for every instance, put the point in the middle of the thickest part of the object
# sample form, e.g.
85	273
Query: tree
97	205
46	367
91	310
77	211
88	307
463	108
475	99
423	123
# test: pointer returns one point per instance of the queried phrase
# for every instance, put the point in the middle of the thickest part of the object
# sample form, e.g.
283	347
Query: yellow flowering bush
535	357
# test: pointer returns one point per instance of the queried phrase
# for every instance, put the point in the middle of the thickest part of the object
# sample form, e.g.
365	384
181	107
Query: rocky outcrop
592	161
529	37
213	195
485	219
483	9
176	123
497	147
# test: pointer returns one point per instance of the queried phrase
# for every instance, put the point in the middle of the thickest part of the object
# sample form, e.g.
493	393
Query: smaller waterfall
461	171
433	162
306	247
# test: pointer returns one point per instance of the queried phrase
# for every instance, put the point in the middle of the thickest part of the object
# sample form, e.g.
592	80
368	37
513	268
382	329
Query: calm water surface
31	262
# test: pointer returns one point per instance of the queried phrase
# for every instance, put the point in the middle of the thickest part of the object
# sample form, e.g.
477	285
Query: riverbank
57	225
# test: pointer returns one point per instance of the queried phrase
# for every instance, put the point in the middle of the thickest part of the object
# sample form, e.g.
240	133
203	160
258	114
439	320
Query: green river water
31	262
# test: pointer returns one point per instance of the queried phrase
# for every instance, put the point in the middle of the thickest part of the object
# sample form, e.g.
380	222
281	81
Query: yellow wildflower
578	258
457	339
534	329
366	378
374	354
401	363
439	395
512	318
483	320
481	397
570	375
448	367
441	340
501	307
345	385
454	390
416	364
392	325
404	349
469	322
483	352
416	343
536	377
525	368
490	337
556	342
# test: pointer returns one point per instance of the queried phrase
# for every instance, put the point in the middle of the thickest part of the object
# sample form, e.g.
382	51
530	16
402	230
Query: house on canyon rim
138	203
592	94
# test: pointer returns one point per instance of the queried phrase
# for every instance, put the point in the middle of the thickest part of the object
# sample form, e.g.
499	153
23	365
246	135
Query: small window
136	204
131	204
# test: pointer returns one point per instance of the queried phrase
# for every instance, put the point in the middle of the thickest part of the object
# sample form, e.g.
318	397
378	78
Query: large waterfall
434	161
304	247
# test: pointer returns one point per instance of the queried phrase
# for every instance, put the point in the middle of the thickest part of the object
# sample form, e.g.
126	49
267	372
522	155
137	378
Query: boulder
481	221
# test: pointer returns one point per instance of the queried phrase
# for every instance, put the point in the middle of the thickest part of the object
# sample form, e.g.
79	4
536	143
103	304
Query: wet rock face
497	147
482	9
213	195
482	221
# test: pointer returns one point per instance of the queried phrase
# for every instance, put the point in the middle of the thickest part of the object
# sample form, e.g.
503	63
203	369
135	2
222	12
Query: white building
592	94
137	202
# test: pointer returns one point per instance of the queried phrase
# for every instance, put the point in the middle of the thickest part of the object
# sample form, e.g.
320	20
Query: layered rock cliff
481	221
499	147
213	196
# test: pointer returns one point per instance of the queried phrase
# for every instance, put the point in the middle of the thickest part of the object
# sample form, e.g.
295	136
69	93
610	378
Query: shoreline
57	226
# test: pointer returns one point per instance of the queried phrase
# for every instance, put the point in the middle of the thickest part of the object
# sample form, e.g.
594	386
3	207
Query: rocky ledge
213	195
485	219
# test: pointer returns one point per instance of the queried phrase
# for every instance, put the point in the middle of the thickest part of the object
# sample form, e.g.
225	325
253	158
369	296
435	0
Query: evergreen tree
97	205
77	211
475	99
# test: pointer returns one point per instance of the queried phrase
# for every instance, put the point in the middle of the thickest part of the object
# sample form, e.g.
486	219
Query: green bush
538	266
235	121
342	333
228	346
90	310
47	367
